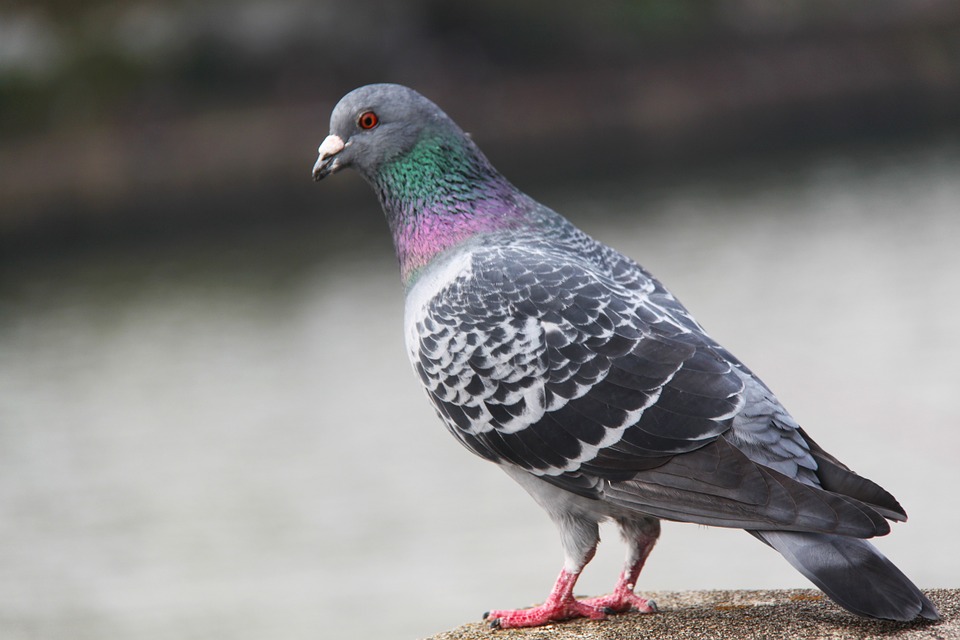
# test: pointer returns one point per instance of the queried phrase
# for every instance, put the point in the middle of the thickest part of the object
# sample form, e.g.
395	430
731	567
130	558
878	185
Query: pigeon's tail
853	573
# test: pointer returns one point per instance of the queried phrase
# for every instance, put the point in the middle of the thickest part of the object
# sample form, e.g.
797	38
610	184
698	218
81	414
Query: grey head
374	124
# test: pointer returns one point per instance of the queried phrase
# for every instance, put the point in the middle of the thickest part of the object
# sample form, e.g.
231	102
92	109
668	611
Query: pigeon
576	371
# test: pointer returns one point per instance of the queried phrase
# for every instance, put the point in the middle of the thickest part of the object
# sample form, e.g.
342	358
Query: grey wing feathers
719	486
605	386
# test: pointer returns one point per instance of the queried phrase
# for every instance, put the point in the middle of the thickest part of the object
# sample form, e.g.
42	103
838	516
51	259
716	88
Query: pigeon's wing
594	378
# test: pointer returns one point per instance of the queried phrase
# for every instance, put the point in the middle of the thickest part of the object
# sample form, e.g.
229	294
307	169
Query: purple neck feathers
442	194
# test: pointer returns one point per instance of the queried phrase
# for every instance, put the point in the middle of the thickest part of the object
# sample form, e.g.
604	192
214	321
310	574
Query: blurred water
225	439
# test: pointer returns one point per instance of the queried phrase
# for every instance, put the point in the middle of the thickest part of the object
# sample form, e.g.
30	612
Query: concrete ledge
767	615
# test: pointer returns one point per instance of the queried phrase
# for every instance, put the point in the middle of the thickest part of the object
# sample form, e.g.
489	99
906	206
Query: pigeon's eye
368	120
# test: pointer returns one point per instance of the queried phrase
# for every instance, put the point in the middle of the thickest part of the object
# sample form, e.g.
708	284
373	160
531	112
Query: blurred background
208	426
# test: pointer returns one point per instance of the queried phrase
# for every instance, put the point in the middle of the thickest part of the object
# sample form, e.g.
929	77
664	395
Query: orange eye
368	120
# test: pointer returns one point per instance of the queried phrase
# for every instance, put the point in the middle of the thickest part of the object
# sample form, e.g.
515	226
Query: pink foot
549	611
560	605
622	600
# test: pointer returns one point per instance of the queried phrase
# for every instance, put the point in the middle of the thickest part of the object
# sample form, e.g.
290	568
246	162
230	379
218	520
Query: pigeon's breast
431	282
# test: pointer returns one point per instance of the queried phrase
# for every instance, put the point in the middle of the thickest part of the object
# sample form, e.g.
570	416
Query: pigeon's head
375	124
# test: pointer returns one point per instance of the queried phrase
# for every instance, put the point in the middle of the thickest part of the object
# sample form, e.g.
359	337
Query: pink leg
560	605
641	536
623	598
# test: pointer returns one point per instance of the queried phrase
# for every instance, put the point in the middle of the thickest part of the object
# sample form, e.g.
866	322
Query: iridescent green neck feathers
440	194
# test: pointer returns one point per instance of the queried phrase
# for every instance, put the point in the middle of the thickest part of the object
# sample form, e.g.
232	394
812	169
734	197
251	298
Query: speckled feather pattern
586	372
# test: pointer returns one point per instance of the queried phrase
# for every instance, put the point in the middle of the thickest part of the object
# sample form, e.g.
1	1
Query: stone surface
770	615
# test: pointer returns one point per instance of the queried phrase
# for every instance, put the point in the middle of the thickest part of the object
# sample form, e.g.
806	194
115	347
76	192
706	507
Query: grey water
223	439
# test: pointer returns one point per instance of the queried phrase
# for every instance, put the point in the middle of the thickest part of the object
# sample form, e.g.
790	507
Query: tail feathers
853	573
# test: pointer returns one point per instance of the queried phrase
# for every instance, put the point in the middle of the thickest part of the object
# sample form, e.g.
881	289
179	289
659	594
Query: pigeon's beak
327	162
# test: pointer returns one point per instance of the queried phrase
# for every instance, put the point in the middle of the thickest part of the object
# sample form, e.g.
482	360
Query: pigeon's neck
442	194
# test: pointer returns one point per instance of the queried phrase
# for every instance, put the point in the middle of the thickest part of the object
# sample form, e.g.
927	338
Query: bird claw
494	623
620	602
